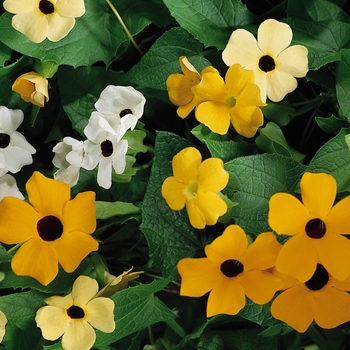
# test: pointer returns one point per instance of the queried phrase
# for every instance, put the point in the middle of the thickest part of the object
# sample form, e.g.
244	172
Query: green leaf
253	180
16	338
259	314
80	89
279	113
203	133
162	59
272	140
331	125
342	83
105	210
211	22
135	141
135	309
160	224
5	54
334	158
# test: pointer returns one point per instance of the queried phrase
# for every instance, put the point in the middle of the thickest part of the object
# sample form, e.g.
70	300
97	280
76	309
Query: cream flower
74	316
274	62
3	322
41	19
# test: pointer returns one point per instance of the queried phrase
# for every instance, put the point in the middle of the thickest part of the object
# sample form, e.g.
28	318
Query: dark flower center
231	268
315	228
106	148
49	228
319	278
125	112
46	7
4	140
266	63
75	312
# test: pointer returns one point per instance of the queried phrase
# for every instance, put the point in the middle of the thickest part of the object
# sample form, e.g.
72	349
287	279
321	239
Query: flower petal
83	290
293	60
318	192
287	215
237	79
295	307
337	221
198	276
211	205
179	89
3	322
195	215
279	84
185	164
173	193
66	8
18	6
246	120
99	313
211	175
58	27
79	336
212	87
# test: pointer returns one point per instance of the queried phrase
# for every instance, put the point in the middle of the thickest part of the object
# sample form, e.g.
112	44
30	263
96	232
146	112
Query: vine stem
124	26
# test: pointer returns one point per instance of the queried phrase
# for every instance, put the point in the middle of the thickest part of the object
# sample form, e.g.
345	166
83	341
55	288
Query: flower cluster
117	110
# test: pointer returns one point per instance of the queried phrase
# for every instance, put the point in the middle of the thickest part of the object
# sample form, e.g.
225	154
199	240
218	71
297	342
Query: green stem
14	248
124	26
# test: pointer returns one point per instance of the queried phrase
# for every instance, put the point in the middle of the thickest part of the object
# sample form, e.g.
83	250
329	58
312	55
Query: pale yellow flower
73	316
274	62
3	322
33	88
41	19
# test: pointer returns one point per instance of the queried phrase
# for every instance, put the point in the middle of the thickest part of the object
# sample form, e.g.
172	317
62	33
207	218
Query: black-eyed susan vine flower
53	228
179	86
73	316
316	228
33	88
322	299
41	19
3	322
274	62
235	100
195	184
231	271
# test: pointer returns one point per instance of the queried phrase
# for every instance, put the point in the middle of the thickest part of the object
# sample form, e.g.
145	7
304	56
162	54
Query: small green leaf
279	113
203	133
331	125
105	210
342	83
5	54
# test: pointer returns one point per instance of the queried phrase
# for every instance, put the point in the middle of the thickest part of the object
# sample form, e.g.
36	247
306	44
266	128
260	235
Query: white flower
8	187
68	159
15	151
105	148
122	106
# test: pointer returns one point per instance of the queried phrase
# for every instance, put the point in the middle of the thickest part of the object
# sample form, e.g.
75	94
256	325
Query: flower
3	322
40	19
73	316
274	62
15	151
195	184
316	227
105	148
8	187
68	159
54	228
237	100
322	298
179	86
33	88
122	106
232	271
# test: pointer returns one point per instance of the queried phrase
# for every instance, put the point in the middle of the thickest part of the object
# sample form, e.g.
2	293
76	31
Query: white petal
18	140
104	174
119	161
92	155
16	158
8	187
10	119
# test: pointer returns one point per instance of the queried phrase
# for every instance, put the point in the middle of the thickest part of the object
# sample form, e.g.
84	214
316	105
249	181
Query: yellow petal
246	120
227	297
195	215
287	215
337	221
18	6
3	322
212	87
47	196
53	321
250	96
61	302
259	286
18	221
318	192
184	111
298	258
188	69
237	79
179	89
279	84
211	175
341	285
198	276
37	259
83	290
72	247
274	36
74	8
295	307
232	244
185	165
293	61
58	27
79	336
79	214
99	313
211	205
173	193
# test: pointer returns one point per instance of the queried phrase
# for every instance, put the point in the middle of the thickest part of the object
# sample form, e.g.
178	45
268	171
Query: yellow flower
316	227
179	86
3	322
274	62
54	228
237	100
40	19
33	88
195	184
322	299
74	315
231	271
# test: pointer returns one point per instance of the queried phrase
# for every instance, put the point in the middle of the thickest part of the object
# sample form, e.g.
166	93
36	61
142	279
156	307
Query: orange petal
211	175
298	258
318	192
232	244
47	196
173	193
211	205
185	165
295	307
198	276
179	89
189	70
287	215
211	88
195	215
337	220
237	79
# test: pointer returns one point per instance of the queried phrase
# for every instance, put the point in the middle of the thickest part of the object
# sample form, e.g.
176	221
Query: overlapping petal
212	176
185	164
211	205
